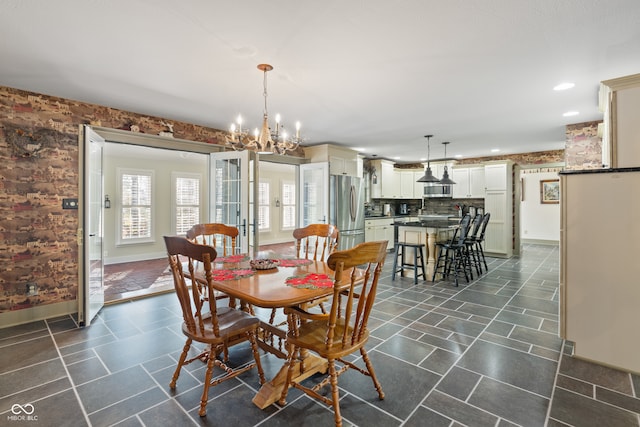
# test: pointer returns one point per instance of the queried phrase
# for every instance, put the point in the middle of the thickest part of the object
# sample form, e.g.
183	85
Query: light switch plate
69	203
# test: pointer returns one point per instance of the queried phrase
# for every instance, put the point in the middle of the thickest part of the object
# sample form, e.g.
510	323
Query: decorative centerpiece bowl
263	264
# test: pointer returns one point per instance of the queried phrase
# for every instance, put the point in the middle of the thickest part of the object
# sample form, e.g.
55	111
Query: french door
233	200
90	217
314	194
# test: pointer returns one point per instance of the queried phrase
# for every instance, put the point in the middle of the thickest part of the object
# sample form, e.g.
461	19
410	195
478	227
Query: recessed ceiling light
564	86
458	156
495	150
571	113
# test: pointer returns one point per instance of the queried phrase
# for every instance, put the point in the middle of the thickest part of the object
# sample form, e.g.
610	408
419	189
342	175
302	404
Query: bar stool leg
395	261
422	266
415	265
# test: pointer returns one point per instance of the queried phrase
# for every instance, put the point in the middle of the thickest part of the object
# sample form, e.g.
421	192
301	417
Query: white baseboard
540	242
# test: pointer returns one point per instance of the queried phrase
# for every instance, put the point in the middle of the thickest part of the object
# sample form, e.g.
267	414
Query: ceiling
373	75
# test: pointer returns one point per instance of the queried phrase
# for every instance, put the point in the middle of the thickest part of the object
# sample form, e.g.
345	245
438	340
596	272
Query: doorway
136	271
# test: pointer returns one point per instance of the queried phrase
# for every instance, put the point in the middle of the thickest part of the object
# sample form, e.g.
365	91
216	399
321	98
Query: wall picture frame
549	191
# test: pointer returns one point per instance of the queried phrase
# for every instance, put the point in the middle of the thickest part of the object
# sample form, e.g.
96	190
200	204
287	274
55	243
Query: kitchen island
427	232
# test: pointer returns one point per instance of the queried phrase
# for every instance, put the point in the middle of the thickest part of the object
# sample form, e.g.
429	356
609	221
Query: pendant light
445	176
428	175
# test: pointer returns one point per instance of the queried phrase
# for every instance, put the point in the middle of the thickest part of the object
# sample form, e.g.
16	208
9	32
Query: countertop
427	224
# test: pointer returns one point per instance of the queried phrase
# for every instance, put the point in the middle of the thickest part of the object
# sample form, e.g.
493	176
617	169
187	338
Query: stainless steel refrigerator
346	209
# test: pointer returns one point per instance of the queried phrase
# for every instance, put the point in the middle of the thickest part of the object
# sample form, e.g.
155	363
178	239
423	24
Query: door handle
92	235
244	227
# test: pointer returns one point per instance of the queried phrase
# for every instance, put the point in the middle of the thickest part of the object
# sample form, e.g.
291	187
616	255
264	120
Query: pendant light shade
445	176
428	174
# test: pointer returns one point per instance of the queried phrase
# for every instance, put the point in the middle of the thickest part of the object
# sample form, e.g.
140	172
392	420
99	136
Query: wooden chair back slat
316	241
221	236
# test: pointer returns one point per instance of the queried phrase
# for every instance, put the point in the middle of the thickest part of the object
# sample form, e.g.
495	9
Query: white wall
163	163
538	222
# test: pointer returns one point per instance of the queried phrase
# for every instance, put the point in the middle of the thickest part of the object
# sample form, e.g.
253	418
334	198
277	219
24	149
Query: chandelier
264	141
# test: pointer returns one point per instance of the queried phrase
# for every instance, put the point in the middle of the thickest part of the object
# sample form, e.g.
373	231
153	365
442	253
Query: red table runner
310	281
285	262
232	258
231	274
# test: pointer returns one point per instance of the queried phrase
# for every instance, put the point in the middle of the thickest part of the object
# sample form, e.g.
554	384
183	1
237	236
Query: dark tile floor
486	353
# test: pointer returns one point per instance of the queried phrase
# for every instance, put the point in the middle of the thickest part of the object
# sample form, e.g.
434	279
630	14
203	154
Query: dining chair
221	236
342	331
217	327
316	241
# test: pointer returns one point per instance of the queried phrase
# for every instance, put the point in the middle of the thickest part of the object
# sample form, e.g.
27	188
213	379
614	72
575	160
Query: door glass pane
228	187
314	194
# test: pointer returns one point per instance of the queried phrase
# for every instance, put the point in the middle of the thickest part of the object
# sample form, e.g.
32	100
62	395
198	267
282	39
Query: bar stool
453	254
418	261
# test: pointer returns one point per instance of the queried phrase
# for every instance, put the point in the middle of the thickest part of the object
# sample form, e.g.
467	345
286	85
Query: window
135	222
288	205
263	206
187	201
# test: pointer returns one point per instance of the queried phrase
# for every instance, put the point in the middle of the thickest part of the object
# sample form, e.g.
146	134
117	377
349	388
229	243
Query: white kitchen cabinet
342	161
498	201
407	186
379	229
495	176
342	166
620	103
418	187
469	182
387	181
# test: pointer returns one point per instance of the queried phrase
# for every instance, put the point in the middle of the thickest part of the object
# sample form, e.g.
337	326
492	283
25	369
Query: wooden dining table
269	289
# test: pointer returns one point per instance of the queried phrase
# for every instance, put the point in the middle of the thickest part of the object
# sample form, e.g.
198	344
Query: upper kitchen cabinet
620	102
418	187
470	182
386	183
408	188
495	176
342	161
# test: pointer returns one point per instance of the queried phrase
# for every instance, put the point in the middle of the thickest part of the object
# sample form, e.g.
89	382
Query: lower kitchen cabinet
379	229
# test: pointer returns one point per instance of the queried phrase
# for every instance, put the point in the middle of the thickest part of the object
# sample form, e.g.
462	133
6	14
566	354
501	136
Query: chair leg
372	373
207	384
256	355
335	392
183	357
